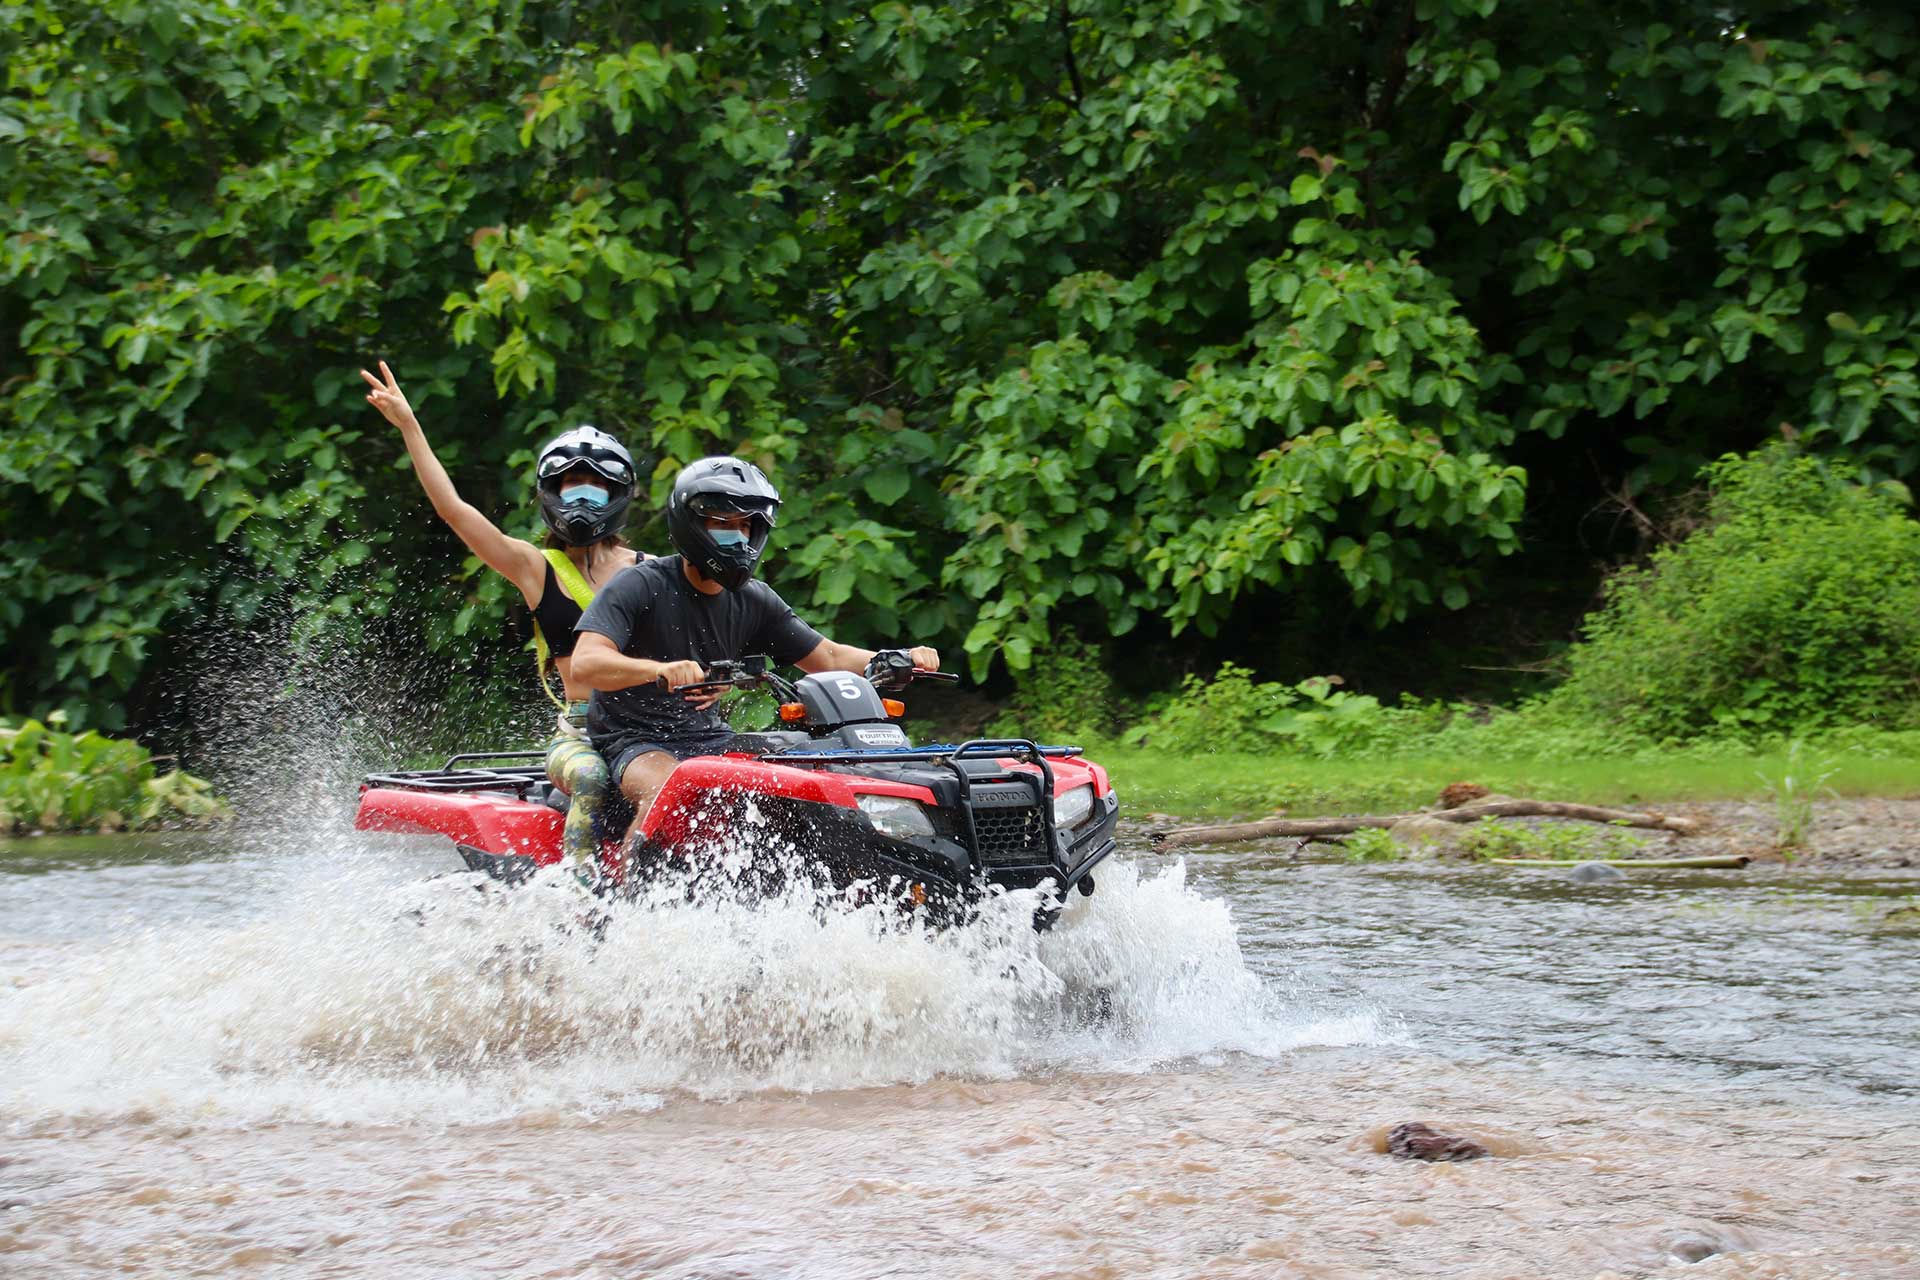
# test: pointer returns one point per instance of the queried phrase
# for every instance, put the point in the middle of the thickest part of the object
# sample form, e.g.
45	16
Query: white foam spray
351	999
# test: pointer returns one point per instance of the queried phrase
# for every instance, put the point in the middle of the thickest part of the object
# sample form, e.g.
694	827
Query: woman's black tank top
557	615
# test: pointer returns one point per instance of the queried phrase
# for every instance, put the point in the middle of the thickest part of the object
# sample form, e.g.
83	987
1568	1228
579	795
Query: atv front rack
456	775
1022	749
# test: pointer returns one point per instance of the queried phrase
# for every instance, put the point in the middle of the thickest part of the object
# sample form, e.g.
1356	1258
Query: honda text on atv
836	788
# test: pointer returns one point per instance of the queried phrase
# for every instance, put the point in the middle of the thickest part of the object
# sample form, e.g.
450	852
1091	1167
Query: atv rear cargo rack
455	775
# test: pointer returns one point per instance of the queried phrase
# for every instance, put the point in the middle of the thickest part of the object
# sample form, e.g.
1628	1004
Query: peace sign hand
389	399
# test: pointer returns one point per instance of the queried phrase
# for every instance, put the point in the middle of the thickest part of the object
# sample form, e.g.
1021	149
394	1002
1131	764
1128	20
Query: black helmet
582	522
721	486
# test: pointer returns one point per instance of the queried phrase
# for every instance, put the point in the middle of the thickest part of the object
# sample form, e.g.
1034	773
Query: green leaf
835	585
230	520
164	102
887	485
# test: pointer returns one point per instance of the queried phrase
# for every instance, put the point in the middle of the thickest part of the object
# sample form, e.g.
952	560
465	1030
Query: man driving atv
660	624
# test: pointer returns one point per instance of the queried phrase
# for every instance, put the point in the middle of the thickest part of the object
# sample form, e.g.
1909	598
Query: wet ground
1858	831
226	1056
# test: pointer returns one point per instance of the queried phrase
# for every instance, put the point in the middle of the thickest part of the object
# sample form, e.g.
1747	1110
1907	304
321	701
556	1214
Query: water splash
307	984
350	999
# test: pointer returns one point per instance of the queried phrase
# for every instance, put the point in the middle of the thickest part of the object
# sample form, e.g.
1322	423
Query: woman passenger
584	479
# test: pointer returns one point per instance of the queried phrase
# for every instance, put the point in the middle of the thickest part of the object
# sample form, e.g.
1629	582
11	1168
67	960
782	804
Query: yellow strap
542	658
575	584
572	581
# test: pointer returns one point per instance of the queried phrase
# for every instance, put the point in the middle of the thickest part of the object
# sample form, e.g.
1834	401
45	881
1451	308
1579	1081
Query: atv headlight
896	816
1071	808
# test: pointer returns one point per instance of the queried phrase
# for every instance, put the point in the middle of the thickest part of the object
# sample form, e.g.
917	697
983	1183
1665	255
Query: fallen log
1718	861
1233	831
1561	809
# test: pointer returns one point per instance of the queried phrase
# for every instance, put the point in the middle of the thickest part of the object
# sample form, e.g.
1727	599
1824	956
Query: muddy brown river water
281	1055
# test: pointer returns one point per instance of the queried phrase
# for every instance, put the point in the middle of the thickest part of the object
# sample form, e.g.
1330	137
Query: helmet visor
605	464
721	504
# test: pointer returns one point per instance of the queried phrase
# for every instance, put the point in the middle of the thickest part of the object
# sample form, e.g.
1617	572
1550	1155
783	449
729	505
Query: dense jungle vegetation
1307	336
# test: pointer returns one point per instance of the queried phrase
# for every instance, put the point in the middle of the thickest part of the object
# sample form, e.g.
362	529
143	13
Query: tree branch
1396	77
1073	66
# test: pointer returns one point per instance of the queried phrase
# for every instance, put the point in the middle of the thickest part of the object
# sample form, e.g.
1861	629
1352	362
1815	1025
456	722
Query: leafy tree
1068	312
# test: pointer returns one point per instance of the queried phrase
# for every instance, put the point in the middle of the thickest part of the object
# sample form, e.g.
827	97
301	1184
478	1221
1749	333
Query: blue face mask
591	494
728	537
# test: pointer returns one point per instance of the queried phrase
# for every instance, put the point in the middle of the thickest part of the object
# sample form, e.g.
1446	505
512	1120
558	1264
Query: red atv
836	790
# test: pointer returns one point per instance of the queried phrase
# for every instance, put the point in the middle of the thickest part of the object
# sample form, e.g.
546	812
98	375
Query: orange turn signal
791	711
894	706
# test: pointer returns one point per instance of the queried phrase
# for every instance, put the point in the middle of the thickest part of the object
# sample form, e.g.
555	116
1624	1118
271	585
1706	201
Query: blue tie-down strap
977	747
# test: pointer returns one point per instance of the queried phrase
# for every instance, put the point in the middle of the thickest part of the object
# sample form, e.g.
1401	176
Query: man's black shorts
622	752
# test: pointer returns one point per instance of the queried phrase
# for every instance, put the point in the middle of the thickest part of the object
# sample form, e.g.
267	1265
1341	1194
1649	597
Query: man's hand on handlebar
676	675
898	668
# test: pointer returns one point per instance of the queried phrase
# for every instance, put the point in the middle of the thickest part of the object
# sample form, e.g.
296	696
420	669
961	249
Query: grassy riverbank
1228	784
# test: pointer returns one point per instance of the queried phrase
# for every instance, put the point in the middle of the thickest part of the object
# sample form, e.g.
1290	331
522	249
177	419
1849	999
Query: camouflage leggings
577	769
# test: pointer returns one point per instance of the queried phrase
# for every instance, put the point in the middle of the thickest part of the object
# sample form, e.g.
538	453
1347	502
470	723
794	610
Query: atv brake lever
705	686
949	677
702	686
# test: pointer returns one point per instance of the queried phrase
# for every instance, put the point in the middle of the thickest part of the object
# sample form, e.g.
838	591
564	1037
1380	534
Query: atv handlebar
890	669
728	673
894	669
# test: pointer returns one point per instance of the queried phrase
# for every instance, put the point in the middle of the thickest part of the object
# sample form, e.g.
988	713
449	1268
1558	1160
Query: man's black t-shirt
652	611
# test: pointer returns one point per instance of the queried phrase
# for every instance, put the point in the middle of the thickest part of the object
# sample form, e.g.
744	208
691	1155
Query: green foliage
1549	841
52	780
1793	787
1064	695
1799	606
1332	723
1233	712
1371	844
1225	713
1096	310
1492	838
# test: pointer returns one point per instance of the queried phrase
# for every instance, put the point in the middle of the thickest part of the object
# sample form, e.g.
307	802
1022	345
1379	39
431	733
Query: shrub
1370	844
1797	605
1329	722
1064	693
1233	712
1224	713
1793	787
51	780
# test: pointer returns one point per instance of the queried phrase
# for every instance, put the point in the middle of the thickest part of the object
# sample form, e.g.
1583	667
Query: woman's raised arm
515	559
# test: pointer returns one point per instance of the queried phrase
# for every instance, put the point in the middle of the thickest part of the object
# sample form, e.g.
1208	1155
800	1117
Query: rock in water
1595	873
1416	1141
1692	1246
